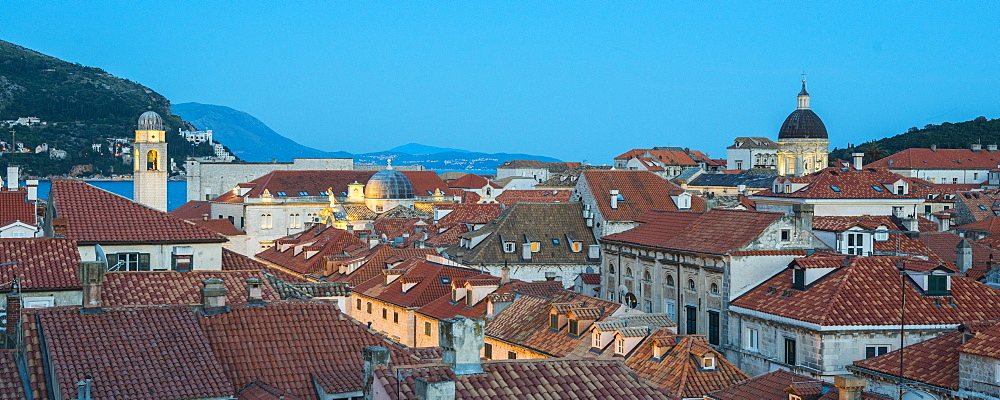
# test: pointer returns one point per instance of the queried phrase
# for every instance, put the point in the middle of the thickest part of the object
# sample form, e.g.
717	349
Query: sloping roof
40	264
642	191
304	252
933	361
448	237
193	209
315	182
943	244
539	379
986	339
177	288
98	216
471	214
166	355
862	284
221	226
733	180
555	166
13	207
545	223
717	231
511	196
262	391
373	262
923	158
678	370
667	157
232	260
526	323
11	387
753	142
771	386
472	181
989	224
434	281
849	183
282	343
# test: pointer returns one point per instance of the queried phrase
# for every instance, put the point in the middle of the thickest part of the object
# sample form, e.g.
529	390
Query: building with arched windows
150	162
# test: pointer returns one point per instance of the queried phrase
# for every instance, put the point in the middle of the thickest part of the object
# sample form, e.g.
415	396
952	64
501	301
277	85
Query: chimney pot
213	296
963	255
255	292
976	147
944	222
505	275
526	251
92	279
372	356
992	148
461	340
614	199
434	388
804	215
204	217
32	190
13	175
858	160
849	386
933	147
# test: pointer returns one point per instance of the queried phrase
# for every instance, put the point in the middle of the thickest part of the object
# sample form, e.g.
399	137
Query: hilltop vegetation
946	136
81	106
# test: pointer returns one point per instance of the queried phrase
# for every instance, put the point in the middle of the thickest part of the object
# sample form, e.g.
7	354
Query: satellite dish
101	256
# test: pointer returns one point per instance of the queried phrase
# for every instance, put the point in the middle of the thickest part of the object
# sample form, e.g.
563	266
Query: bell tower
150	162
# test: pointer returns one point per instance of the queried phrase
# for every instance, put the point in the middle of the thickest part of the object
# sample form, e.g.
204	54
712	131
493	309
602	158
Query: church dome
150	121
389	184
802	124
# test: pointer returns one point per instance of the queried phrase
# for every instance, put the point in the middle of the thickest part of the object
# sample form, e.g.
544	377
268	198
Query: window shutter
143	261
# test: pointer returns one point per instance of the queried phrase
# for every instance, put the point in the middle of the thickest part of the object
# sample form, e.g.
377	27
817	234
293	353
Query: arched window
691	286
628	272
646	277
670	280
295	220
715	288
611	268
152	160
266	222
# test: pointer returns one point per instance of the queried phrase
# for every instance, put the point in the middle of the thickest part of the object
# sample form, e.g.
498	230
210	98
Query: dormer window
937	285
509	247
799	279
577	247
554	322
900	189
574	327
620	347
881	234
535	246
708	362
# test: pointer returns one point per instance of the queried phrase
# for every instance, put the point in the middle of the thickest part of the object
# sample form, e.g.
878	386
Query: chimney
963	255
372	241
434	388
933	147
526	251
594	252
944	222
59	227
32	190
804	216
911	224
92	278
614	199
859	163
83	389
213	296
849	386
992	148
461	340
976	147
204	217
13	317
255	292
505	275
13	174
373	356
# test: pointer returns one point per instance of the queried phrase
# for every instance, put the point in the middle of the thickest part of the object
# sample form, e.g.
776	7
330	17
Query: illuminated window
266	222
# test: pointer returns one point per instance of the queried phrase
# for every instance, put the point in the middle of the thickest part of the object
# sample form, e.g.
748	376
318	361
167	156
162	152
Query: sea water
176	190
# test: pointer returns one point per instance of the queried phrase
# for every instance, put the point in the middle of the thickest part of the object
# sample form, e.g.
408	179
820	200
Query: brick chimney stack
461	340
372	356
13	318
213	296
92	279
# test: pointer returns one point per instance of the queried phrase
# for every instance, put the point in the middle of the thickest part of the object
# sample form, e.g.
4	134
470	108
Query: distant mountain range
252	140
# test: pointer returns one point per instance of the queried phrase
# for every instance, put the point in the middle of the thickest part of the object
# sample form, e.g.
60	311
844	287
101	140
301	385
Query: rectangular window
786	235
534	247
128	262
855	243
713	327
573	326
369	307
876	350
671	309
359	304
753	339
937	285
620	347
691	320
927	209
647	305
511	355
427	328
799	278
385	314
790	351
488	351
395	317
554	322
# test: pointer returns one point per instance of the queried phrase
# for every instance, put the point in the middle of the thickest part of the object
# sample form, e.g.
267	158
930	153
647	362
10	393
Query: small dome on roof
150	121
389	184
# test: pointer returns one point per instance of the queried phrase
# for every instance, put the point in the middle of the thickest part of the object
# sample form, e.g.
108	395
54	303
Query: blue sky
572	80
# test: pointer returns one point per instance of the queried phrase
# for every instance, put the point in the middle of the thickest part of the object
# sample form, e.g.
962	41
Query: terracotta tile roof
591	278
340	380
41	264
768	253
290	252
166	355
849	183
989	224
33	355
923	158
471	214
359	212
527	379
556	166
11	387
545	223
177	288
679	369
262	391
282	343
397	227
943	244
221	226
426	183
843	223
834	300
432	282
666	157
771	386
98	216
232	260
293	182
756	142
471	181
933	361
192	210
717	231
449	237
443	307
373	262
470	197
13	207
511	196
979	205
526	323
642	191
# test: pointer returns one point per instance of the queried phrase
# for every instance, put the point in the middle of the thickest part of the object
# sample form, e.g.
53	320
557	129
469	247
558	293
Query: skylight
430	193
835	189
303	193
280	194
555	241
343	194
877	188
982	208
444	280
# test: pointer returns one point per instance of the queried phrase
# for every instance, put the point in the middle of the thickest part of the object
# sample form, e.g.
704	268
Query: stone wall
978	376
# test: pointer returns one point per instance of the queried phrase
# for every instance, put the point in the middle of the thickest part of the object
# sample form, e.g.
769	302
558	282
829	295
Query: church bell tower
150	162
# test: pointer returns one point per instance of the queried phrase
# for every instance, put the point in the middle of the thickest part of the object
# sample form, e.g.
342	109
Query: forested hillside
946	136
